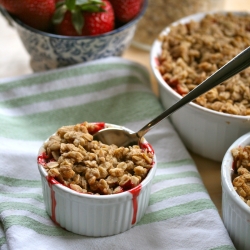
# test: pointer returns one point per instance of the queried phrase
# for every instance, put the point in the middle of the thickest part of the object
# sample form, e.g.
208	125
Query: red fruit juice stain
173	83
51	182
42	159
157	62
135	192
96	127
128	185
147	146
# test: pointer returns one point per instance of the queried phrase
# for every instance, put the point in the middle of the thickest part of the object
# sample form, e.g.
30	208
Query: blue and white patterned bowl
49	51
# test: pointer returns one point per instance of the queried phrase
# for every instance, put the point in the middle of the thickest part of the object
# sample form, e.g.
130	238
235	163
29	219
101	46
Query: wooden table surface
14	61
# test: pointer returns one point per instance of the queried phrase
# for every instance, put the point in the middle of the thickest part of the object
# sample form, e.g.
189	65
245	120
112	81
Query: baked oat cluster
241	182
88	166
194	51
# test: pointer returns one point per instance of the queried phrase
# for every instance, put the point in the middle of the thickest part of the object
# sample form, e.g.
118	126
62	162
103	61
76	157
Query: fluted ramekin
235	212
95	215
203	131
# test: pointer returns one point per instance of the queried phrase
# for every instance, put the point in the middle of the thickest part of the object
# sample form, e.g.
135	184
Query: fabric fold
180	214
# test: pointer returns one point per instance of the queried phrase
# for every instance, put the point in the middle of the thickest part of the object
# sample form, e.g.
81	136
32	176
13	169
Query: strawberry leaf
90	5
59	14
70	4
59	4
80	2
98	2
78	21
91	8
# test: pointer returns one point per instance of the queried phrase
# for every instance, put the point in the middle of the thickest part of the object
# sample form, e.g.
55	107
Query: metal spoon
123	137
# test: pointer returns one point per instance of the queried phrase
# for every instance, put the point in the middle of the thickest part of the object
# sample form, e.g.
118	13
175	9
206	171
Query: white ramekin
95	215
205	132
235	212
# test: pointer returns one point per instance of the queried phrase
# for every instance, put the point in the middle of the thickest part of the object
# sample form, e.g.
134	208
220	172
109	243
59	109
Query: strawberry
126	10
83	17
11	6
35	13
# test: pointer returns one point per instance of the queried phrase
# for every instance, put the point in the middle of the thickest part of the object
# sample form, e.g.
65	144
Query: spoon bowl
117	136
121	137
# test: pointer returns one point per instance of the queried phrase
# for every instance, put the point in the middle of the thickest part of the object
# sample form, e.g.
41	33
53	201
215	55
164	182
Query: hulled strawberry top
83	17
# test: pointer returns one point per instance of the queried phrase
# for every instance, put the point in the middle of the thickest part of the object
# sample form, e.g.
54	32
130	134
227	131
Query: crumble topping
192	52
73	158
241	166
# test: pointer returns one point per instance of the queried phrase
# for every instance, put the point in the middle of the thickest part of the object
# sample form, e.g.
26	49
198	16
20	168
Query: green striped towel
180	215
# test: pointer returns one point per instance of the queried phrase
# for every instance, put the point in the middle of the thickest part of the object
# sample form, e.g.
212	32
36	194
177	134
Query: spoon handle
234	66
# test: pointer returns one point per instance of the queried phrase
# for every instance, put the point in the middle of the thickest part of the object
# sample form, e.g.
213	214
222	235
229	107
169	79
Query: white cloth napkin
180	214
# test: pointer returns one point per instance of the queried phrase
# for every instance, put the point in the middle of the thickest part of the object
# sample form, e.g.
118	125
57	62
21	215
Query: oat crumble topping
194	51
241	166
74	159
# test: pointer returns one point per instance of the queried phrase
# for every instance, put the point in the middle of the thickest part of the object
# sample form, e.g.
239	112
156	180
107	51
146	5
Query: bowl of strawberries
59	33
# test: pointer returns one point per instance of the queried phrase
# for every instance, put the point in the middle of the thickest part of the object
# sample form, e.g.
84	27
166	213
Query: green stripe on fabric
34	196
160	178
73	91
37	226
177	211
175	191
70	72
225	247
175	163
134	106
19	182
2	241
23	206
